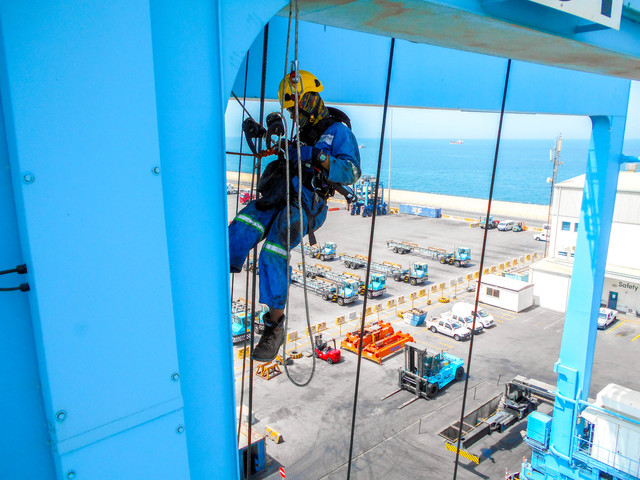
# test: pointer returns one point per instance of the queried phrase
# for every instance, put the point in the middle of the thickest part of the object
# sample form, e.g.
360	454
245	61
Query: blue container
420	210
539	429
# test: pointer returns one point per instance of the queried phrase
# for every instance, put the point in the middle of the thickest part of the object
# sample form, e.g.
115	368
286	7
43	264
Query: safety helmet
308	83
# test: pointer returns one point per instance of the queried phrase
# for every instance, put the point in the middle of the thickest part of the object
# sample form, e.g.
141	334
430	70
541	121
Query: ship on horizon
456	142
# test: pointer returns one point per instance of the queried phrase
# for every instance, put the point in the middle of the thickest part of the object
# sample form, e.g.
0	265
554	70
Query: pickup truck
447	326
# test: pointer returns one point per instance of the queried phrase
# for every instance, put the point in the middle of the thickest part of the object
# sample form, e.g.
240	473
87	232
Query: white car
468	322
606	317
541	236
505	226
466	309
450	327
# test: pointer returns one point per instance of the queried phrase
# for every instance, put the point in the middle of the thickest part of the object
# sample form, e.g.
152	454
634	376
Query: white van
506	225
466	309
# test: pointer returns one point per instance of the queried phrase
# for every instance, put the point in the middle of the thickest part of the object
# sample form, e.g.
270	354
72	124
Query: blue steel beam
429	76
579	336
516	29
79	105
187	64
23	445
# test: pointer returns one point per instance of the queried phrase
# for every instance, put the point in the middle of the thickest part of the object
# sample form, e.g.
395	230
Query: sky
453	124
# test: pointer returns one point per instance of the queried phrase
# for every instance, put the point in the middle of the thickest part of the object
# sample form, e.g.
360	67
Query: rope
300	212
233	277
484	246
366	283
255	175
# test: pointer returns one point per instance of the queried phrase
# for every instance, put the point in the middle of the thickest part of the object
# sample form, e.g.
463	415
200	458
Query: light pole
554	156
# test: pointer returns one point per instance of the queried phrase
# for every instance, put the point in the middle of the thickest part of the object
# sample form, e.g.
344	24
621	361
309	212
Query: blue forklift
425	374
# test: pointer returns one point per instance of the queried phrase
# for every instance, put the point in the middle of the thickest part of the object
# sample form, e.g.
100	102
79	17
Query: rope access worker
330	158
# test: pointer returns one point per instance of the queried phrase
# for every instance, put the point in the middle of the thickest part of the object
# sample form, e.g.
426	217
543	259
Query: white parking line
552	324
535	316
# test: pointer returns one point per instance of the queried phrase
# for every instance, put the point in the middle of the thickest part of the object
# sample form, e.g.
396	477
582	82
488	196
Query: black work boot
271	339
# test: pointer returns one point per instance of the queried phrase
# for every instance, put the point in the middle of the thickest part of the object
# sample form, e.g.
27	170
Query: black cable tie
23	287
18	269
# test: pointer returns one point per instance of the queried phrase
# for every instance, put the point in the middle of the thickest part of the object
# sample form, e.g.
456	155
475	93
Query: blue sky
453	124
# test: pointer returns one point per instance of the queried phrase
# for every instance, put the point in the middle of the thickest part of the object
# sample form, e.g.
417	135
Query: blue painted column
24	449
188	77
579	337
78	101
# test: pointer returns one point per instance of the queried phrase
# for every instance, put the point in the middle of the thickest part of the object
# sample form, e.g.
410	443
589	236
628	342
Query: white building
552	276
507	293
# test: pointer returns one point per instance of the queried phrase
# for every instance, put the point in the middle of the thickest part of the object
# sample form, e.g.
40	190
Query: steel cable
373	227
484	246
300	214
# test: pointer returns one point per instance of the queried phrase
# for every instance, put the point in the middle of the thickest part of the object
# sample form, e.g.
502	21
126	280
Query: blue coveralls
252	225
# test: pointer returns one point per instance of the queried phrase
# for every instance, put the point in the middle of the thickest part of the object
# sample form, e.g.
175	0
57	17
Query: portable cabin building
507	293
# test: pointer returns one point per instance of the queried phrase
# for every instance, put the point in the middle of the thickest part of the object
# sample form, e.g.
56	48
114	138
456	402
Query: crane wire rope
254	176
484	246
233	277
366	282
296	125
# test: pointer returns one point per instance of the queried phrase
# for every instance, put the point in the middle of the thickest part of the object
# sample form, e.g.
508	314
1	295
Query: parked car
541	236
505	226
449	327
606	317
467	321
466	309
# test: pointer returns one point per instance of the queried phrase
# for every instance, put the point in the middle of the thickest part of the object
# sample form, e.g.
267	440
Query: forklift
326	350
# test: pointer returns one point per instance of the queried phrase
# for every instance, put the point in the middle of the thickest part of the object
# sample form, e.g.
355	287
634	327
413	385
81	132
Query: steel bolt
71	475
155	170
180	429
61	416
29	178
175	377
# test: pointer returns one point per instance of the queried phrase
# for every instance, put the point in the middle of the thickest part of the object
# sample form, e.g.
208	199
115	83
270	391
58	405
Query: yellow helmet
308	83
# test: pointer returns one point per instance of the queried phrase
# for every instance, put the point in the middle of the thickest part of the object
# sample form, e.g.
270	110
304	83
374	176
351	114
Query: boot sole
268	359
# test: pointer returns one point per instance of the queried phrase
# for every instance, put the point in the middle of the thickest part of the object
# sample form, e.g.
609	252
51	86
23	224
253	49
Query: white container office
507	293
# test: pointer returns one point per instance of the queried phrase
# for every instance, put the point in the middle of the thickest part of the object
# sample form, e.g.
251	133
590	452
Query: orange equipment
378	341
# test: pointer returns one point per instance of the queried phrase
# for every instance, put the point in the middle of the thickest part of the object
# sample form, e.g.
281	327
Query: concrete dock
535	214
391	443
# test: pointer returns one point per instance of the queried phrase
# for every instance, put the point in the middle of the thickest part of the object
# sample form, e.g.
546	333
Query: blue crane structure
112	173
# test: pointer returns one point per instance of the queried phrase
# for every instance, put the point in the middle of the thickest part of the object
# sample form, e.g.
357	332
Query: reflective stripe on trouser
245	232
273	257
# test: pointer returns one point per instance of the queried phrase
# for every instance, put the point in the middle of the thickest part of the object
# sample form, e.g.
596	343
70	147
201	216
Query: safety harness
272	184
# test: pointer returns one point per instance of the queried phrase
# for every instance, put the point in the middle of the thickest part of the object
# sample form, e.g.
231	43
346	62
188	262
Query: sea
524	168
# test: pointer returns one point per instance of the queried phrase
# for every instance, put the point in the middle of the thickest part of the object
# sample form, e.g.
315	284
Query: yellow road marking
428	344
613	328
635	338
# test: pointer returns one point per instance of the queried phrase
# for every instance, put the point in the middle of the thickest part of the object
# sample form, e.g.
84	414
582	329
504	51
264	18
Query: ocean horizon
464	169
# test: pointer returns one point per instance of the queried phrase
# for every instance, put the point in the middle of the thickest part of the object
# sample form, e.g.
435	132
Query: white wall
628	294
550	290
508	299
623	245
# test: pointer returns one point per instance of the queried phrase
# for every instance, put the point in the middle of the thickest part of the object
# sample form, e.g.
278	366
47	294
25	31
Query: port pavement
390	443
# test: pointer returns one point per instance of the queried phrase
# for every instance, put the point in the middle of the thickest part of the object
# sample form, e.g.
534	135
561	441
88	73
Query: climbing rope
233	276
255	175
484	246
366	282
296	124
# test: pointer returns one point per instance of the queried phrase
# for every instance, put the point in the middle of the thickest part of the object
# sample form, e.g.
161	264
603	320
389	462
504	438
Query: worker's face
303	118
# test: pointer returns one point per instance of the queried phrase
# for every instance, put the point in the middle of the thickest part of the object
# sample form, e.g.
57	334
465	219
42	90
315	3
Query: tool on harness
252	131
275	126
